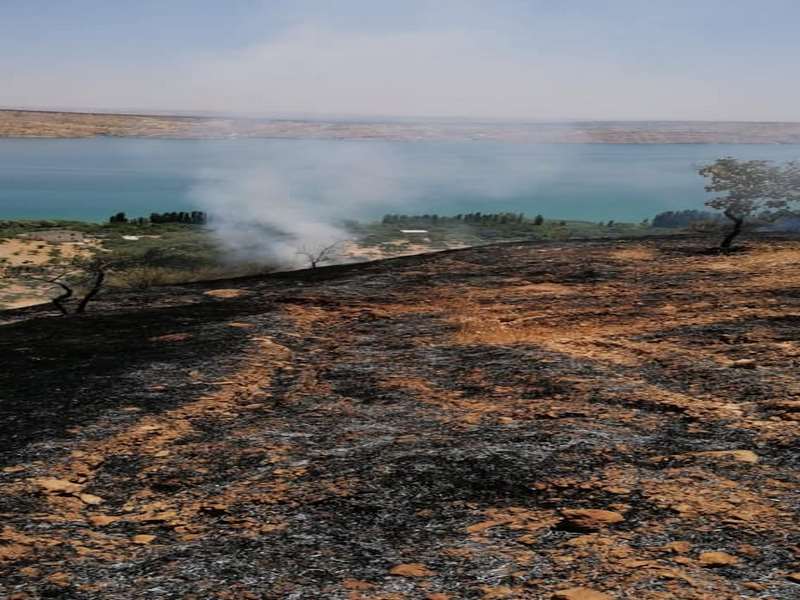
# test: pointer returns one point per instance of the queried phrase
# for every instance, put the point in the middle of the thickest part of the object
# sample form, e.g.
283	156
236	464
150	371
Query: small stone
589	519
411	570
744	363
51	485
90	499
60	579
357	584
143	539
583	540
794	577
717	559
580	593
102	520
752	585
677	547
748	550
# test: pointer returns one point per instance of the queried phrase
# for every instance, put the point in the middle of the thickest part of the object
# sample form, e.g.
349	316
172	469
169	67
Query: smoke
300	194
295	200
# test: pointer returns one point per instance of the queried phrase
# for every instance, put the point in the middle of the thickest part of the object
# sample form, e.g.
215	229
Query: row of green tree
476	218
195	217
679	219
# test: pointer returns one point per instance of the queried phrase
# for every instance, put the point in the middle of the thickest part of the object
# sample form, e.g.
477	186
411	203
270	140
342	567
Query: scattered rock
752	585
412	570
357	584
794	577
588	519
142	539
677	547
60	579
717	559
102	520
90	499
216	508
748	550
51	485
580	593
14	469
744	363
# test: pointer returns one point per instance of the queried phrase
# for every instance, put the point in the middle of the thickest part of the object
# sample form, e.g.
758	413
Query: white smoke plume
268	209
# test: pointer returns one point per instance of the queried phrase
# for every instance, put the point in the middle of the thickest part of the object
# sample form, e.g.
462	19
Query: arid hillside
54	124
567	420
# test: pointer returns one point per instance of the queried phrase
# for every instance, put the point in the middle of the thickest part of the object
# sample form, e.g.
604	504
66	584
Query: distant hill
55	124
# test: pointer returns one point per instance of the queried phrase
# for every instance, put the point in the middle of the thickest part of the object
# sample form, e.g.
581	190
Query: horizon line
352	117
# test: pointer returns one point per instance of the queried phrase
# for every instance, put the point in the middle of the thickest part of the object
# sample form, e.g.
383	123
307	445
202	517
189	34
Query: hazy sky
532	59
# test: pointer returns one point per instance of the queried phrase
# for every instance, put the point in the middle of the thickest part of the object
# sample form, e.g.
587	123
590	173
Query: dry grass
141	278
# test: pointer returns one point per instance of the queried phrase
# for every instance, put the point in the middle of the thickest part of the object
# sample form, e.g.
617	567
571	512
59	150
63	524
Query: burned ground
498	422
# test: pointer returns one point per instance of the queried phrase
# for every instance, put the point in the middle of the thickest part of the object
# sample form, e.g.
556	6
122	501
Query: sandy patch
17	292
18	252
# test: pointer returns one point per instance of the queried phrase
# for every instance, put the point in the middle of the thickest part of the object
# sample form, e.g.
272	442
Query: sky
492	59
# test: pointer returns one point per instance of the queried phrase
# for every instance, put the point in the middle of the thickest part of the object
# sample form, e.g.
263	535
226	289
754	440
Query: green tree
749	187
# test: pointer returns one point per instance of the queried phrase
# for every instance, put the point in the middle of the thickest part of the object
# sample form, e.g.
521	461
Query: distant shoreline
52	124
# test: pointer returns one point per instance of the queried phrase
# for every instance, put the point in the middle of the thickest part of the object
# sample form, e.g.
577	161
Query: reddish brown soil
573	420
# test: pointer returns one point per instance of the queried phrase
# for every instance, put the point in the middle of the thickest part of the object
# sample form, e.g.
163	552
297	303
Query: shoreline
16	124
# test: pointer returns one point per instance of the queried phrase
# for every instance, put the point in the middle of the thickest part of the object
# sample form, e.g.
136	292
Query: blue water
92	178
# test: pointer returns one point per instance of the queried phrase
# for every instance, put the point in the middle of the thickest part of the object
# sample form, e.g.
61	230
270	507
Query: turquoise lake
90	179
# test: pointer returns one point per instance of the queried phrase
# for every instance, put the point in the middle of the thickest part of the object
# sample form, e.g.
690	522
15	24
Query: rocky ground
578	420
63	124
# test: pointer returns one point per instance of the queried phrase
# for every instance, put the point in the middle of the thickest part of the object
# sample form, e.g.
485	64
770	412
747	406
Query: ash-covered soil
582	420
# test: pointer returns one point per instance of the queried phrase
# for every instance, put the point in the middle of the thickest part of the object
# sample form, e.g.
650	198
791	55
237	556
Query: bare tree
77	273
319	254
751	186
96	269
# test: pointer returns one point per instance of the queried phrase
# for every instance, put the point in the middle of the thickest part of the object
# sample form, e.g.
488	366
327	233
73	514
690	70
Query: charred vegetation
503	421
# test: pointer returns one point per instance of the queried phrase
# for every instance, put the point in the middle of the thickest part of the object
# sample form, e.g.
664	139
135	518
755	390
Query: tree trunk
737	229
59	300
98	283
